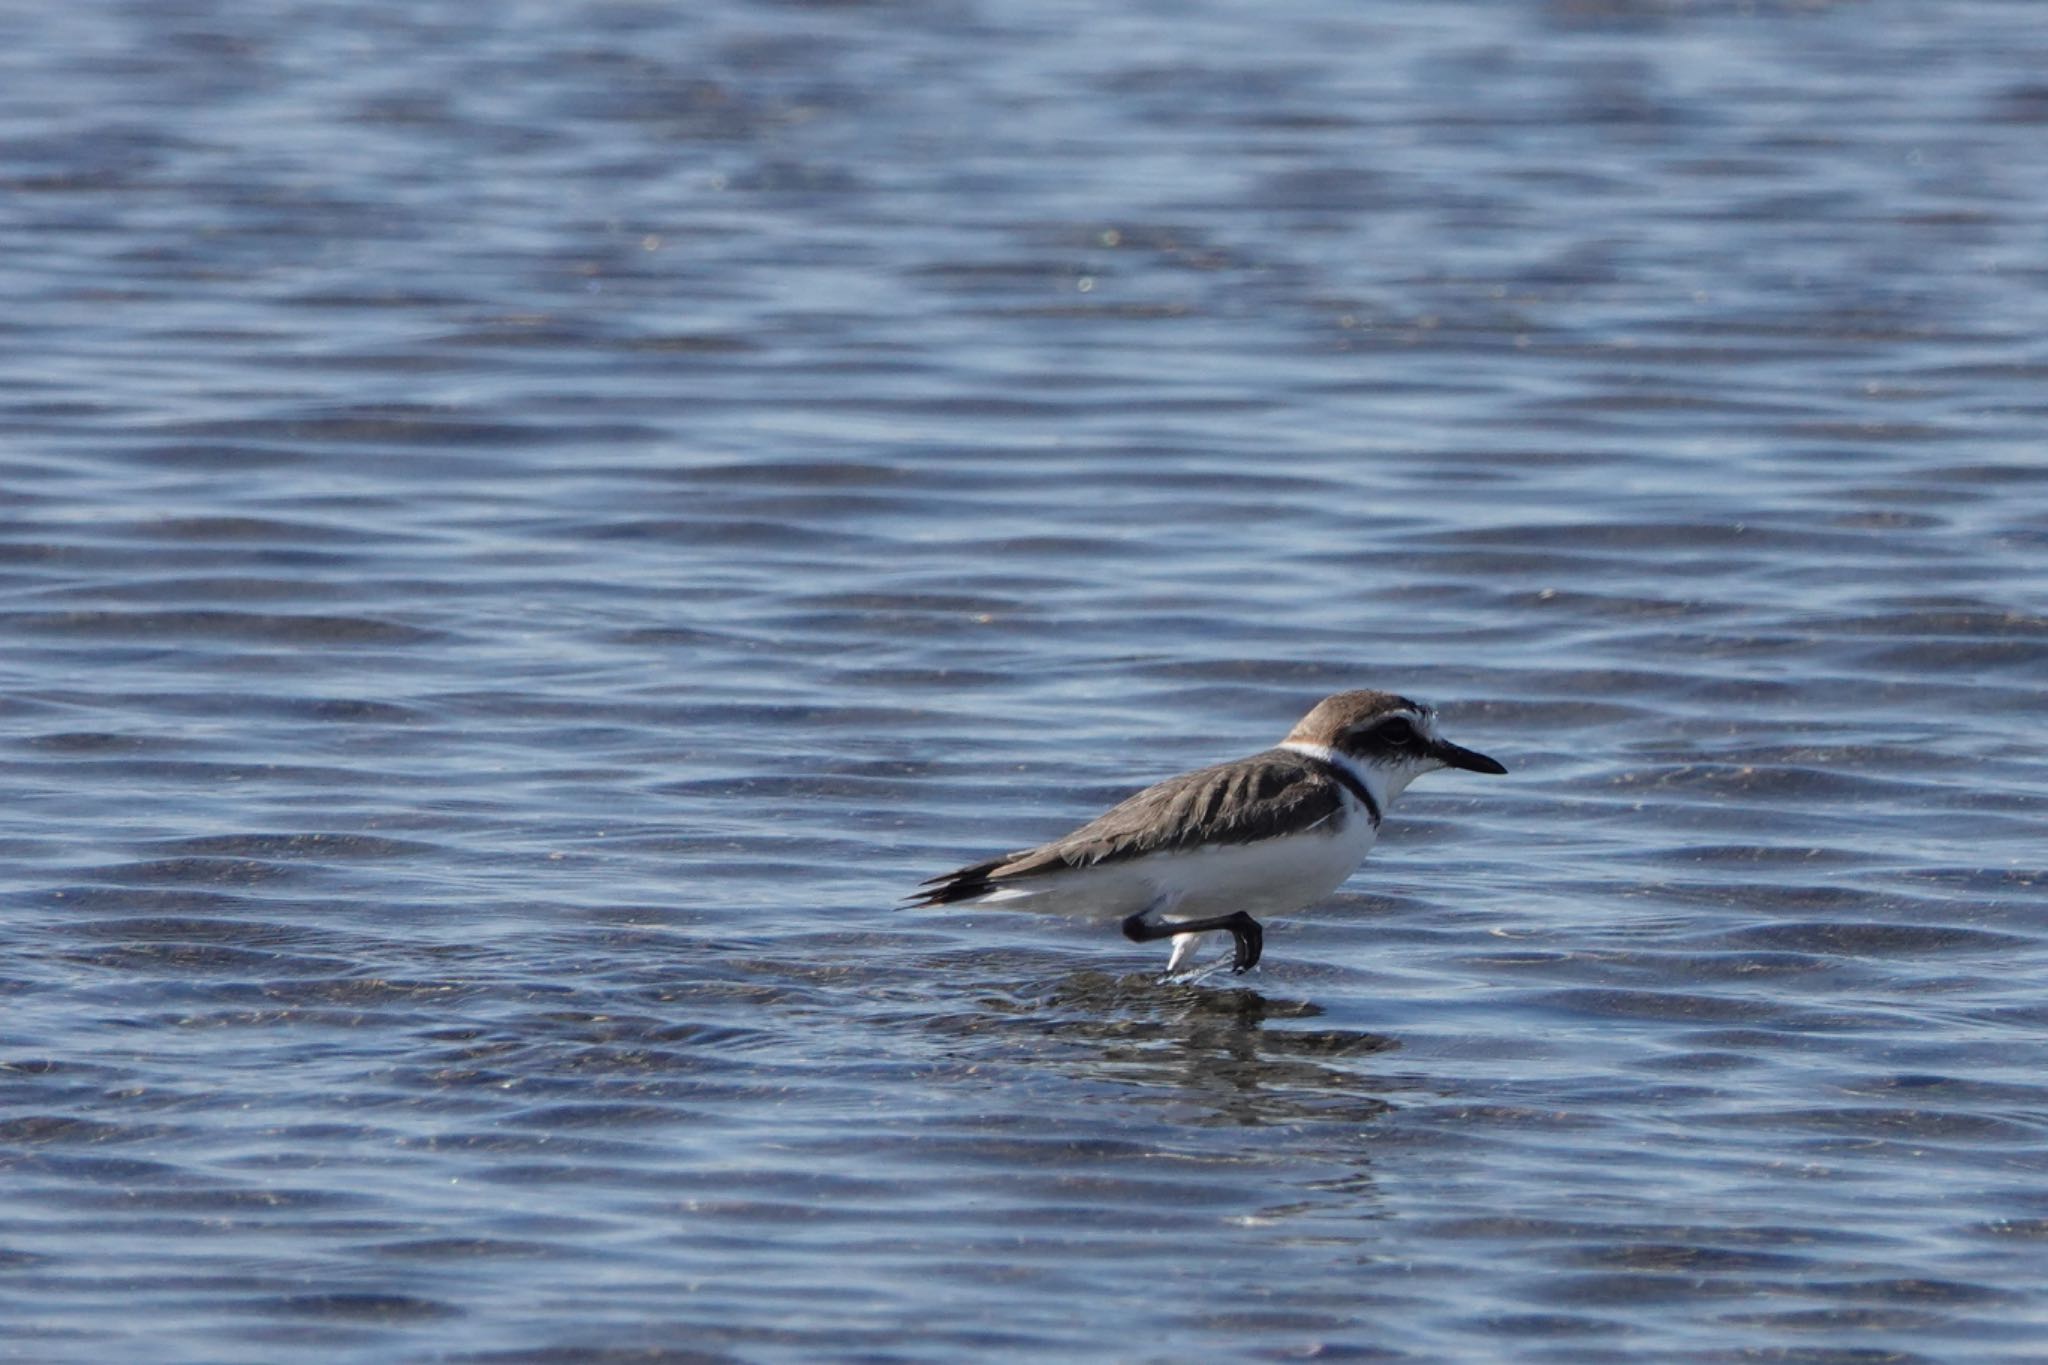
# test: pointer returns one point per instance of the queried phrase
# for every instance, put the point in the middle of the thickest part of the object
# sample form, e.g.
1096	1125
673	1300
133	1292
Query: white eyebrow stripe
1425	721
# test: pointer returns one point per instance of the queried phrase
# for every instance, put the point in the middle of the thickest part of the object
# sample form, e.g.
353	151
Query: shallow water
525	529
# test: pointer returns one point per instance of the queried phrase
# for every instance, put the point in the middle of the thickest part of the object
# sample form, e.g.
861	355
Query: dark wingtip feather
947	894
961	884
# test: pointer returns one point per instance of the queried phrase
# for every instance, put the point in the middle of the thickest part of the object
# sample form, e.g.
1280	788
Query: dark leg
1244	932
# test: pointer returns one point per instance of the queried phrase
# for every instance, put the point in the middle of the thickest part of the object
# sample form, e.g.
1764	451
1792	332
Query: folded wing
1272	794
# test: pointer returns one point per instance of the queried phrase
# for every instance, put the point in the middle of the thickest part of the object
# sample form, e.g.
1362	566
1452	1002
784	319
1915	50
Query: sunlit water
525	529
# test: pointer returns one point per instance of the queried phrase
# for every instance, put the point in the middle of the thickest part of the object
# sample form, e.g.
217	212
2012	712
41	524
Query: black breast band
1352	784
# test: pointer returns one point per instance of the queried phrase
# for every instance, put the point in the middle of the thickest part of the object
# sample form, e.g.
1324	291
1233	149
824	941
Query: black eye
1396	732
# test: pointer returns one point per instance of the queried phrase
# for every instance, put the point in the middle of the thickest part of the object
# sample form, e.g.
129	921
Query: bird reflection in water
1209	1056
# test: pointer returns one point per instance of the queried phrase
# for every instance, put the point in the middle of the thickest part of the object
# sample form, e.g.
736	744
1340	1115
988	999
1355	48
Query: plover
1205	851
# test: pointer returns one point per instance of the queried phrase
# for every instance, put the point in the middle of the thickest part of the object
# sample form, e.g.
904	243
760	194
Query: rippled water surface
526	528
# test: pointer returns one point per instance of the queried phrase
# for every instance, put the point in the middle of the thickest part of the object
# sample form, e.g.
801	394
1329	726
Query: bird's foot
1248	942
1247	937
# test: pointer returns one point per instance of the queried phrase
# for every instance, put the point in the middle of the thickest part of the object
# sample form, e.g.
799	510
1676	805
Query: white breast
1273	876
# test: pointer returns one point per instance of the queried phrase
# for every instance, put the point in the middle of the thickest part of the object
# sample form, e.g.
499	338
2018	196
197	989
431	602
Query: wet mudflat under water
525	529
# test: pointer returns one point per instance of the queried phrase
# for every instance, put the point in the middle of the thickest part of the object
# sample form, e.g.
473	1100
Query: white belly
1273	876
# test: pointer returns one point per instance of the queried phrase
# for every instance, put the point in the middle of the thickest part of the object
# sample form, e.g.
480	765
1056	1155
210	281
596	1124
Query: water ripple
526	532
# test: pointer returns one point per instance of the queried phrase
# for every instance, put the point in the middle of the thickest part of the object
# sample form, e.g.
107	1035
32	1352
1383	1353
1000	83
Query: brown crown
1333	715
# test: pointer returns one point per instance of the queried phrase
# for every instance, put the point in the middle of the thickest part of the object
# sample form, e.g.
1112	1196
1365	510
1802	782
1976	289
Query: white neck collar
1371	776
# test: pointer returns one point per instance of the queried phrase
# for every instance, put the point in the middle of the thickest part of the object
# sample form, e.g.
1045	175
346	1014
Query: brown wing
1273	793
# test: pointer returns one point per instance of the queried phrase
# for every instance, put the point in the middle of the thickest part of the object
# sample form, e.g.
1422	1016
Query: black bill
1457	756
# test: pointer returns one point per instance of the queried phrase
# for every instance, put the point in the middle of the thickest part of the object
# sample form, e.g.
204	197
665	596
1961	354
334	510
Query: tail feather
962	884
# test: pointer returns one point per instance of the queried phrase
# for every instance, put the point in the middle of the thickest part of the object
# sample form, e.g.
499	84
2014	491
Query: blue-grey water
525	528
